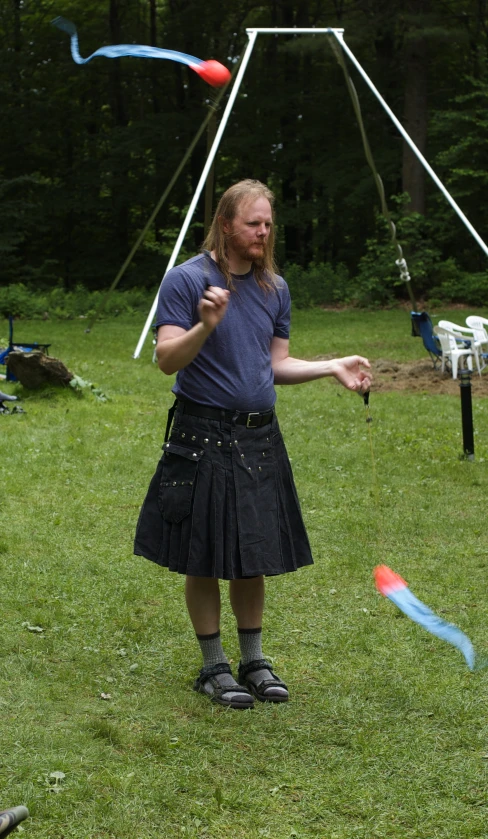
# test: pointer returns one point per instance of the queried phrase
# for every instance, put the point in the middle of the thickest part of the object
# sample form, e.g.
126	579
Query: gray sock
212	650
250	643
213	653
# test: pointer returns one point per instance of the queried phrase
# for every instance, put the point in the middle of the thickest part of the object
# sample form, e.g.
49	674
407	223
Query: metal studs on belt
206	440
193	439
219	443
183	434
194	454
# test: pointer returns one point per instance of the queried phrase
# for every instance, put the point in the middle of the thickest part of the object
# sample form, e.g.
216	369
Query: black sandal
259	690
208	675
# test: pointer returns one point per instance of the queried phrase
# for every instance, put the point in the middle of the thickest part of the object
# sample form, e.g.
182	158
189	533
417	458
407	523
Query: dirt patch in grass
420	376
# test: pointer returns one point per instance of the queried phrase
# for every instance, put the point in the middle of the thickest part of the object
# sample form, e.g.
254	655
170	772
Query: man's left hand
348	371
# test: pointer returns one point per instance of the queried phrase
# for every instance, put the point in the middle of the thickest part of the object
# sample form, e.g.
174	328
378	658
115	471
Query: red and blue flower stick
391	585
210	71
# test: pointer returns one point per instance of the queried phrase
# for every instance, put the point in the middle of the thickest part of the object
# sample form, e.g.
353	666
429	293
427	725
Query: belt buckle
248	421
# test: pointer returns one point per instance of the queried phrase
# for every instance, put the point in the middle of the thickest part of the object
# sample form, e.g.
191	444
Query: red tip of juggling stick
213	72
387	581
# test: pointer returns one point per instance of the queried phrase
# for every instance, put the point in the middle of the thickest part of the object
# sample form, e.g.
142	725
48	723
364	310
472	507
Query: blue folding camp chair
25	346
422	327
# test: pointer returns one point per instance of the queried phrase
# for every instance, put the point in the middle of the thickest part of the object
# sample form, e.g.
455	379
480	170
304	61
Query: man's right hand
213	306
177	347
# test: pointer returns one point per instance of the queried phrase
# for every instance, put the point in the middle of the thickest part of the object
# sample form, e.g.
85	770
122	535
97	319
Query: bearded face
247	234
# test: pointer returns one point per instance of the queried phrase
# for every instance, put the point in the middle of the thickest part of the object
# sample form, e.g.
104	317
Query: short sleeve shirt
233	368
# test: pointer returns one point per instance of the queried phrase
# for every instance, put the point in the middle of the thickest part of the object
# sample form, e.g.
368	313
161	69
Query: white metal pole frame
296	30
339	35
201	184
410	142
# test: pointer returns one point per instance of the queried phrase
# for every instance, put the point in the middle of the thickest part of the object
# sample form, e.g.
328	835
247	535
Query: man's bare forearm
175	353
294	371
348	371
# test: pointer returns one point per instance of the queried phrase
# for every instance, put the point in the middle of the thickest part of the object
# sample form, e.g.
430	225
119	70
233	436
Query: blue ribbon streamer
119	50
421	614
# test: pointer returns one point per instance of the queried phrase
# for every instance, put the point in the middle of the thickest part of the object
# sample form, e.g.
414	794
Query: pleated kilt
223	503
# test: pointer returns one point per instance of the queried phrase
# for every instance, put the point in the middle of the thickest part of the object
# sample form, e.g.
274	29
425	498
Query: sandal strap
253	666
270	683
221	690
260	664
209	674
206	673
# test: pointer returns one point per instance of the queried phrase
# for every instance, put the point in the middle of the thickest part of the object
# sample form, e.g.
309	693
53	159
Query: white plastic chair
451	351
465	338
478	324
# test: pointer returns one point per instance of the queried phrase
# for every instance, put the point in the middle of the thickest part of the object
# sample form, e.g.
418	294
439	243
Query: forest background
87	151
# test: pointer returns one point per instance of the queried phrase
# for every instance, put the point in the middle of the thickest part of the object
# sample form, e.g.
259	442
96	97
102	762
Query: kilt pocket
178	476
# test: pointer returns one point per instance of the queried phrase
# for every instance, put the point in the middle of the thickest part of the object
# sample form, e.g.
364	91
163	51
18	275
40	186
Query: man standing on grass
222	504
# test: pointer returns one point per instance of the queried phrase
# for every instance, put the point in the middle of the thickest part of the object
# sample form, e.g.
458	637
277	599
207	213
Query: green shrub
28	302
378	281
377	284
457	286
317	285
16	300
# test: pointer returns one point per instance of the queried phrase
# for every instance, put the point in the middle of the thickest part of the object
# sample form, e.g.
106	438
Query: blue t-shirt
233	368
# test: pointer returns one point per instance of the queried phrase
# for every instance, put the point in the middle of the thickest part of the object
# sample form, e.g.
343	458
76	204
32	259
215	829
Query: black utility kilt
223	503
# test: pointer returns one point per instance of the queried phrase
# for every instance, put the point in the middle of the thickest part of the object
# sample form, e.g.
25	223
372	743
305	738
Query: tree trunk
154	67
415	121
120	208
291	14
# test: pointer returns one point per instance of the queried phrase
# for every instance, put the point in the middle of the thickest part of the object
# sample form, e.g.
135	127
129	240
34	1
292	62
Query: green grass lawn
386	733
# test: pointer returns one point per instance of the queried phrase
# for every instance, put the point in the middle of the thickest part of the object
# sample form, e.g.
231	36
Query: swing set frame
340	48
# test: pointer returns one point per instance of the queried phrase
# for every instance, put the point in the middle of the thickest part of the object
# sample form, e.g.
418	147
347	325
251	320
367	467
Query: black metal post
467	413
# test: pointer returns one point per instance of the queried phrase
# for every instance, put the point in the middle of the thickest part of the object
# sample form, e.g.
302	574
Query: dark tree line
86	151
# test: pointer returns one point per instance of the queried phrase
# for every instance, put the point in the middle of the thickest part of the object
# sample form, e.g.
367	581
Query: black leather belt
253	419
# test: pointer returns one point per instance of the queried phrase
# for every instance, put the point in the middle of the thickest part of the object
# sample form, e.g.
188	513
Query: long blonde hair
265	270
